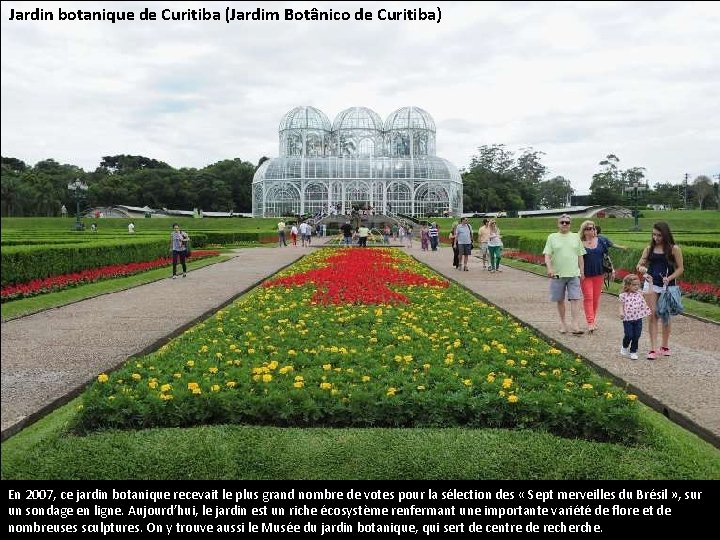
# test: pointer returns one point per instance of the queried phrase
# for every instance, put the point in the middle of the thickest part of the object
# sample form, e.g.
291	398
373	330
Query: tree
237	174
704	190
607	185
493	158
125	163
13	165
555	193
529	172
633	175
666	194
14	195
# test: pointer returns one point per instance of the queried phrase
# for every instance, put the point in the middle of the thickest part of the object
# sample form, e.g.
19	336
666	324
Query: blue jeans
433	243
633	329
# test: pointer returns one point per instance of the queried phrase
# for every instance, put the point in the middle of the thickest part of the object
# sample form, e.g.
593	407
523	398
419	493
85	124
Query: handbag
669	303
607	264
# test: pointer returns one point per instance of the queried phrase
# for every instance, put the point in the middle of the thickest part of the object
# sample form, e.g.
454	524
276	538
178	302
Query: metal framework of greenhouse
357	162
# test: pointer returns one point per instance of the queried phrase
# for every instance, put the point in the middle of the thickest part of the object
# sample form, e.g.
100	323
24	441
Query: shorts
647	287
559	286
483	248
464	249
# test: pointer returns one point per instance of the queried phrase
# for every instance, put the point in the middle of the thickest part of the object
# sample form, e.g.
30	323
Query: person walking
347	232
434	234
463	241
293	234
131	227
178	244
456	251
305	233
564	262
386	234
632	310
363	232
424	237
494	245
483	237
662	261
595	249
281	233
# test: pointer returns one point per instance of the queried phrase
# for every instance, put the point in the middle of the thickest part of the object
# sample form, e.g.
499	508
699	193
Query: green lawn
45	450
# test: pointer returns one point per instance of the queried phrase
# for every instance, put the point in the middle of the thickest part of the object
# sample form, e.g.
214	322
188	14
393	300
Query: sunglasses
564	223
589	228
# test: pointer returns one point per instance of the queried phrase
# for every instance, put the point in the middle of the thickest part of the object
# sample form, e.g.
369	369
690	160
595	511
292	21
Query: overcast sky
576	81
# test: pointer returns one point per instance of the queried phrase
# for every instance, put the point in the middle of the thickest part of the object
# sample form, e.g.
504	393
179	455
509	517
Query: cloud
574	80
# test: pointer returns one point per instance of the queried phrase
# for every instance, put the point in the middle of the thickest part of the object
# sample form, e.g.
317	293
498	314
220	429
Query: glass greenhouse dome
358	162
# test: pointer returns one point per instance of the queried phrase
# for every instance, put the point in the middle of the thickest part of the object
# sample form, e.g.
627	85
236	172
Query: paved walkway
50	356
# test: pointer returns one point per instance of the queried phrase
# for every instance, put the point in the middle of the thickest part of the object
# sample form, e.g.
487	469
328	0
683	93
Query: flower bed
361	337
58	283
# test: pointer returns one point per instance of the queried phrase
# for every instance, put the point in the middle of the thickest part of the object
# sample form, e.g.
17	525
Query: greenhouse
357	162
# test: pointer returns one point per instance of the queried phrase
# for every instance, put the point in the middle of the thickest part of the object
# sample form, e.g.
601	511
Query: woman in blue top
662	264
596	247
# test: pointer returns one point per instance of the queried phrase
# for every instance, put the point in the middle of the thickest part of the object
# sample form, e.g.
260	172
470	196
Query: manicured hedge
21	264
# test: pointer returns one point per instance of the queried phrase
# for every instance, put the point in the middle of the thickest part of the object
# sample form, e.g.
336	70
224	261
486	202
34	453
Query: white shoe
624	351
174	277
633	356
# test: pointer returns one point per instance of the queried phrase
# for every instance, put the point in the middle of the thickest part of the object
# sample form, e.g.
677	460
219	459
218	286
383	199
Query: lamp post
635	188
78	189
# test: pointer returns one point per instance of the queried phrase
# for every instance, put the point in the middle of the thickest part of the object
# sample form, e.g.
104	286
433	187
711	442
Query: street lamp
635	188
78	189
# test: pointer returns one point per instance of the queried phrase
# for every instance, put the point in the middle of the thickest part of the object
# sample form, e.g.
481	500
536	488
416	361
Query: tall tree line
614	186
497	180
41	190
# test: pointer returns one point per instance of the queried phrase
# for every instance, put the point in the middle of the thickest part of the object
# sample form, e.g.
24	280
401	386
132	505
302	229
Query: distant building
360	162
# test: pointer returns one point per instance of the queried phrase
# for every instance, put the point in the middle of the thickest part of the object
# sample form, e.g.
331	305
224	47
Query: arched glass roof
410	118
358	118
420	168
305	118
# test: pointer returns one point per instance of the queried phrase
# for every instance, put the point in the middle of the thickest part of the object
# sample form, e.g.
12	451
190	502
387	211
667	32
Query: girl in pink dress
632	310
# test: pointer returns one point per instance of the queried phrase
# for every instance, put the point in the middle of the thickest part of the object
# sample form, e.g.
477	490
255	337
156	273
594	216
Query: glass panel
316	198
282	200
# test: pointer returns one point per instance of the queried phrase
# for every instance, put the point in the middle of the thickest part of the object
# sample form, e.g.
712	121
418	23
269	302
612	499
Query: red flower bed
57	283
524	256
357	276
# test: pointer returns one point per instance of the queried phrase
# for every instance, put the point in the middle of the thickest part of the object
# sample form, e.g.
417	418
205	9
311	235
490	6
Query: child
632	310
